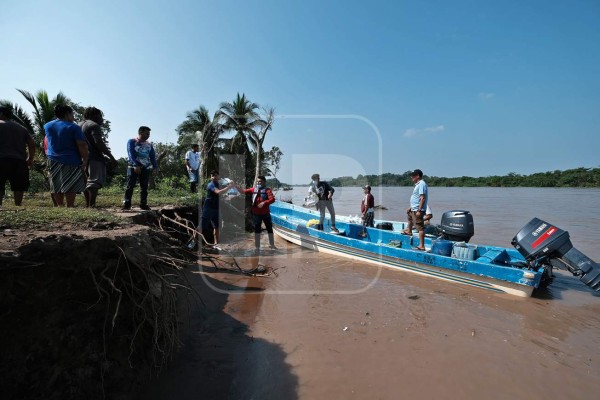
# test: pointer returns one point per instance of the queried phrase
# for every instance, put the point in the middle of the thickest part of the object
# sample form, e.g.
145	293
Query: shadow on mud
219	359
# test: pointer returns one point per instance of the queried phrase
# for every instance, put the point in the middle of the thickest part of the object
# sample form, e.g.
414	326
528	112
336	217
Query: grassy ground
37	209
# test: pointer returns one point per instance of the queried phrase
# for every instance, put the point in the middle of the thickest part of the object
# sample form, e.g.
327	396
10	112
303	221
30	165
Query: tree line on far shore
577	177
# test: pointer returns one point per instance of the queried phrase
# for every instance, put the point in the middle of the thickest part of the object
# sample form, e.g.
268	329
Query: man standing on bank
14	162
192	163
96	169
418	205
324	192
262	196
141	162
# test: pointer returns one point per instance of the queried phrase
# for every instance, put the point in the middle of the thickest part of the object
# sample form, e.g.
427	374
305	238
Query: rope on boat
191	231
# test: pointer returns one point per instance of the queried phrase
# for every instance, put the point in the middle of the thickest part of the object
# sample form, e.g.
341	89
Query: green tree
273	162
241	117
200	128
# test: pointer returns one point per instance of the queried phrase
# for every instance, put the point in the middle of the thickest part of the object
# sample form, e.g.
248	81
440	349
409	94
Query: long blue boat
539	248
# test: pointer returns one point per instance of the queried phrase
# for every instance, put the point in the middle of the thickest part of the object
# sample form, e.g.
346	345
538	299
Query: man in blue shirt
141	160
210	208
418	206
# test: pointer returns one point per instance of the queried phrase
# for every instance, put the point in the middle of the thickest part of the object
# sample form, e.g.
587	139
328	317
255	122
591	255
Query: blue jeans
132	179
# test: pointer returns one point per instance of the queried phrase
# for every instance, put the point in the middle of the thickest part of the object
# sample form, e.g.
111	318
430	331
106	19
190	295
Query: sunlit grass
37	210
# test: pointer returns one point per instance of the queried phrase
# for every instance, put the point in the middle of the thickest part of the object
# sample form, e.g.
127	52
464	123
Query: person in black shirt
324	192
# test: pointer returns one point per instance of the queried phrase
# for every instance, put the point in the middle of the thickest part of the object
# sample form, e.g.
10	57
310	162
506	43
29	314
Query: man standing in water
418	205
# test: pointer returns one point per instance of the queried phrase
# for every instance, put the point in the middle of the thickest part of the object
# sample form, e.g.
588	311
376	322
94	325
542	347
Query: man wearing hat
14	160
324	192
418	205
367	208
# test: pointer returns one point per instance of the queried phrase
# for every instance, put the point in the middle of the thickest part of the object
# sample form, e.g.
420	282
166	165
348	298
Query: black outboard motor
457	225
542	243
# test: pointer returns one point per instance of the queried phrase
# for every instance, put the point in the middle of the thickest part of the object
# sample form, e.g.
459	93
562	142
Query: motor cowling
541	242
457	225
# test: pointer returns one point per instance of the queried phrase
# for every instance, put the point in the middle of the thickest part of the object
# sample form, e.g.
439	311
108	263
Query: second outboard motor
544	244
457	225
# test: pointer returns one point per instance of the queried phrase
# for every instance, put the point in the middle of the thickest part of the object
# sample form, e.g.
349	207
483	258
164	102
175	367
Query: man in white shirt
192	162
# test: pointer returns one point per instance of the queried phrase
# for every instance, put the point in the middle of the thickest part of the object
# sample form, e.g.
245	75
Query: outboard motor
457	225
544	244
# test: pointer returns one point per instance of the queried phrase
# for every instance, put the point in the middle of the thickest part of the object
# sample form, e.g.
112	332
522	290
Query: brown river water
326	327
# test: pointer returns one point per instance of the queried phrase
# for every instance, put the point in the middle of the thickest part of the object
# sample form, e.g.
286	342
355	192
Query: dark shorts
16	172
417	220
210	218
96	174
259	219
369	219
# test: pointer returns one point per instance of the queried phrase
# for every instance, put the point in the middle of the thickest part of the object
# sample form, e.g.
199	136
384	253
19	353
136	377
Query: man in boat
367	208
418	206
324	192
262	196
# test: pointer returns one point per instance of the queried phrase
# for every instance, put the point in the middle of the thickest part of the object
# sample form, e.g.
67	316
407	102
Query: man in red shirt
262	196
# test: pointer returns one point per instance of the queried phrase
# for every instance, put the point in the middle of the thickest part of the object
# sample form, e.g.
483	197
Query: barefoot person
67	156
418	205
14	161
324	192
96	169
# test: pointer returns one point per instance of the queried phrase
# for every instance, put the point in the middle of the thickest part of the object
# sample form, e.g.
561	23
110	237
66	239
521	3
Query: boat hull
292	224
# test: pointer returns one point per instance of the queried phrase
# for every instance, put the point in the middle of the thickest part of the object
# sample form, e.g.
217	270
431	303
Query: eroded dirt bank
86	314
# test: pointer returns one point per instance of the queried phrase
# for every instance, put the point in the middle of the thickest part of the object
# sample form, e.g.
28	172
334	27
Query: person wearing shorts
67	156
14	160
210	208
418	205
96	168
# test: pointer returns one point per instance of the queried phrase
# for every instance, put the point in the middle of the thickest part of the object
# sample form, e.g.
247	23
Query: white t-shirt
193	159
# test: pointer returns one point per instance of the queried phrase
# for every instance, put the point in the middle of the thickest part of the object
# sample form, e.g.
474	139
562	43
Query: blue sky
454	88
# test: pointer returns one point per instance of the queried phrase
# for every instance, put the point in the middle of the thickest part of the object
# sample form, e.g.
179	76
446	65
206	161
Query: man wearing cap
418	205
367	208
14	162
324	192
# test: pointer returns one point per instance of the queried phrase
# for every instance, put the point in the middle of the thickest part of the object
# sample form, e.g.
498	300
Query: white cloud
422	131
486	96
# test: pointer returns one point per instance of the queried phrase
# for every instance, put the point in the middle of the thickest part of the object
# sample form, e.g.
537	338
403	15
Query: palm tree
240	116
43	110
200	128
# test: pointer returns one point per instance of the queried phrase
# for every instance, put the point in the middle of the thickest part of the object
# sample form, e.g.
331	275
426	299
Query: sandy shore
326	327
